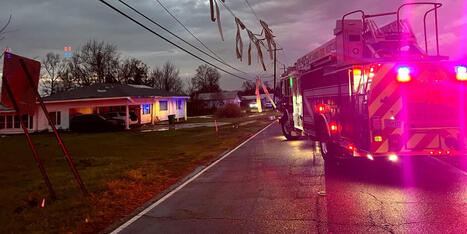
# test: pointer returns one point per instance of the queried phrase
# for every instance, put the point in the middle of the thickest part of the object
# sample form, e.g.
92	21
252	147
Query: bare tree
95	62
249	88
133	71
206	79
52	65
166	78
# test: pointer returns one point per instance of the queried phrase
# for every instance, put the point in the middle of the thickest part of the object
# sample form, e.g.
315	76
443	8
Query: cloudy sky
40	26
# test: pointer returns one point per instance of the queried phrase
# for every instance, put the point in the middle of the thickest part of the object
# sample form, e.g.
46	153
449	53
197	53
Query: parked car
122	116
95	123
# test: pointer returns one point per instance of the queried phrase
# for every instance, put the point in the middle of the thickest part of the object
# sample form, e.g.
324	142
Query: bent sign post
20	80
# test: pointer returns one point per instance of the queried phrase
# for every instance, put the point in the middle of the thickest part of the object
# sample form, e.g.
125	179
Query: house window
163	106
179	104
9	121
56	117
31	122
146	109
16	123
2	121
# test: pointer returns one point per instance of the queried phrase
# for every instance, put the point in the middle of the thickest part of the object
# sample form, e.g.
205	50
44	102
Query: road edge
149	205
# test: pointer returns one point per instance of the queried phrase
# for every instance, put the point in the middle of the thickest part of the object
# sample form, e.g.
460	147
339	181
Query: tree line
100	62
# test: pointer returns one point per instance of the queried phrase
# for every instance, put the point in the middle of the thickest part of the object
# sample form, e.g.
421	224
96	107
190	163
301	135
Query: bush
229	111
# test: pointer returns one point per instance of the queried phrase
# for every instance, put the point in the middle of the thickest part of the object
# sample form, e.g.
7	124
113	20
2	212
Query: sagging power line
173	34
172	43
191	33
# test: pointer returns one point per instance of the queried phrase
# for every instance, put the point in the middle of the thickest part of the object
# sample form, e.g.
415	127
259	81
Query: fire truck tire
329	150
288	131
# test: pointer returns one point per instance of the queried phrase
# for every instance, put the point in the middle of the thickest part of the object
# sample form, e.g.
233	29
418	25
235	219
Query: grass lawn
121	170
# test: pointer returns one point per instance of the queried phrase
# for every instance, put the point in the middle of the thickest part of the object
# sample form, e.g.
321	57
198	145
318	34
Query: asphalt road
270	185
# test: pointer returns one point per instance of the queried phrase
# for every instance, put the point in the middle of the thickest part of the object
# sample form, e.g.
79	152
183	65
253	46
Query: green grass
246	117
121	170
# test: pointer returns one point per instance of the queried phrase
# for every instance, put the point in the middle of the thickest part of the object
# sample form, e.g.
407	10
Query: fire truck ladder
402	26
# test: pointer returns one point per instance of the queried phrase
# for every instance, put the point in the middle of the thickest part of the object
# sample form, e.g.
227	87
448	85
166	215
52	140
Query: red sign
21	88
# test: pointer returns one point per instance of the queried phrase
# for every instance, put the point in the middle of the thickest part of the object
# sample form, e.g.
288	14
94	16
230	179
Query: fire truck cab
374	92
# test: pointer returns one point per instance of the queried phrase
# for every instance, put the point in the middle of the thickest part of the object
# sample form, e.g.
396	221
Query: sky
41	26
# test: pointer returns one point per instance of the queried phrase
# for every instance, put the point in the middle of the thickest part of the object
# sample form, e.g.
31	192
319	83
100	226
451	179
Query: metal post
275	61
28	137
275	65
52	125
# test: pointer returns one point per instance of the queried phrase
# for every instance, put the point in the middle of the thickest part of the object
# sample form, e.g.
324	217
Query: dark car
95	123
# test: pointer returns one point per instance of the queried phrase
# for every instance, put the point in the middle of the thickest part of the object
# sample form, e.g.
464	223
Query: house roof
218	96
109	91
5	108
253	97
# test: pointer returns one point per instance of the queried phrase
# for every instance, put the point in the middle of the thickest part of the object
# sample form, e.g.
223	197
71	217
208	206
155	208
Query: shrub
229	111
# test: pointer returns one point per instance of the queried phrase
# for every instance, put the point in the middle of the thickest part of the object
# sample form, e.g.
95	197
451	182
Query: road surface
270	185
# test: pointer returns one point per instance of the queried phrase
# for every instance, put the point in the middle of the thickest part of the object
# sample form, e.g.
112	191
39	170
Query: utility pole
275	73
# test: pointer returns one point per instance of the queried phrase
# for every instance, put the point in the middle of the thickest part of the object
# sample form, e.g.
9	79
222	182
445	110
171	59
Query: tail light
333	127
461	73
372	72
403	74
320	108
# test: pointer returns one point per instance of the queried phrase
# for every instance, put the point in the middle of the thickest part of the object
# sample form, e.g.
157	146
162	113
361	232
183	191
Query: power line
173	34
176	19
252	10
167	40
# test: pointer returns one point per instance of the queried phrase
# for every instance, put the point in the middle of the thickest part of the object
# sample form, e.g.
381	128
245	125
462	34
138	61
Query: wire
252	10
173	34
167	40
176	19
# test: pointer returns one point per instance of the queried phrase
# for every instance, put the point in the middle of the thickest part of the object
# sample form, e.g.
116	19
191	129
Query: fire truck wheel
329	150
289	131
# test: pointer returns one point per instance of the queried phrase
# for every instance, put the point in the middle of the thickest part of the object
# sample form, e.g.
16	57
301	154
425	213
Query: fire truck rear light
350	147
333	127
432	152
461	73
378	138
369	156
372	72
440	152
448	152
320	109
403	74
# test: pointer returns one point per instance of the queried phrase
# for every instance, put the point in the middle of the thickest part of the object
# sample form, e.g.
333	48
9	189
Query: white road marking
136	217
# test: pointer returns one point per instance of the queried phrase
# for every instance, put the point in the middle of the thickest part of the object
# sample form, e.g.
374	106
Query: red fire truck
373	92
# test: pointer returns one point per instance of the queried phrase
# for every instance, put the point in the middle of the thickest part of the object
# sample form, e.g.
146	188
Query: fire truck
374	92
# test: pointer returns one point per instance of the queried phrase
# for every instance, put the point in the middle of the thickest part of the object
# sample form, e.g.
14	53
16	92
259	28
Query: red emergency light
403	74
333	127
320	108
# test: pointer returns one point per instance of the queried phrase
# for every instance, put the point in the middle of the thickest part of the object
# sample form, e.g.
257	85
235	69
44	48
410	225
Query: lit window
179	104
146	109
163	106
